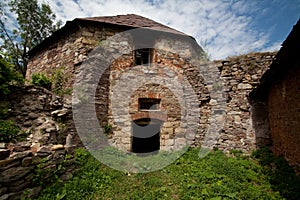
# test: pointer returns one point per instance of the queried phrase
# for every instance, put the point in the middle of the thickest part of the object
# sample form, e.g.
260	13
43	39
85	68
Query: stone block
170	142
2	145
13	174
87	34
4	163
167	131
244	86
26	161
33	116
2	190
57	147
4	153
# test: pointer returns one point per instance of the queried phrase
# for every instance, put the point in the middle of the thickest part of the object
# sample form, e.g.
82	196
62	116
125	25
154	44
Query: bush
41	80
8	131
59	81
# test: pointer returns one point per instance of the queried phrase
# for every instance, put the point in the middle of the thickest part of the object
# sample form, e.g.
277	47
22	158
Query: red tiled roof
132	20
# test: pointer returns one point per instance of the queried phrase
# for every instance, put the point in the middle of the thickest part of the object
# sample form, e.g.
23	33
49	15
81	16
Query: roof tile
132	20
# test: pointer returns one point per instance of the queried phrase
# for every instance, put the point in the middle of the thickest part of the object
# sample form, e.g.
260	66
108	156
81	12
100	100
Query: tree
34	22
8	77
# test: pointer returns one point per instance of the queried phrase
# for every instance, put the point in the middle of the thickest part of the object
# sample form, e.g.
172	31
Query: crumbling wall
241	75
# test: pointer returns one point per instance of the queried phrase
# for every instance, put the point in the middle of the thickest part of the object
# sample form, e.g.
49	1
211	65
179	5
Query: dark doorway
145	136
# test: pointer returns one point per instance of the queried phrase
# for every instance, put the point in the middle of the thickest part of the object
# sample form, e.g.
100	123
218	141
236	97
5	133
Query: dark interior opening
145	136
149	104
142	56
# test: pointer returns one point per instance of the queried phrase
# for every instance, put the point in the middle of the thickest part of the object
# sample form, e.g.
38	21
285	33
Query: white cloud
223	28
274	47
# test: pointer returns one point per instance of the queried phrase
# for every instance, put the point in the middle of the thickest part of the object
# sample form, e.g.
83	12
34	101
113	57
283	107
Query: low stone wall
24	170
48	150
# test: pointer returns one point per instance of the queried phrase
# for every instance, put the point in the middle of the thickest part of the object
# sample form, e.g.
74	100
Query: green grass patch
216	176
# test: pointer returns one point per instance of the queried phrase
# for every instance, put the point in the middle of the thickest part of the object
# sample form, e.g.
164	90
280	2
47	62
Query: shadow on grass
281	176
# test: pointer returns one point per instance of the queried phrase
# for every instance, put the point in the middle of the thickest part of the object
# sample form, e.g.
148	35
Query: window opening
149	104
142	57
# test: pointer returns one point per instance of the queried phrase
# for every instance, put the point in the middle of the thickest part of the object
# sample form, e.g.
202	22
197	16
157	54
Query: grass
216	176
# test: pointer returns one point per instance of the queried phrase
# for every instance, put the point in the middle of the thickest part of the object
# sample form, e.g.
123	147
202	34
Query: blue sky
222	27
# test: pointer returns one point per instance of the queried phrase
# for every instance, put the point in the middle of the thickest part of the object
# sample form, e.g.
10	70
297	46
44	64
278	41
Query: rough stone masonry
239	75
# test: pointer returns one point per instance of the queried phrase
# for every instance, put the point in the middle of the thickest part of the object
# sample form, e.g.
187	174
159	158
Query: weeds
9	132
215	176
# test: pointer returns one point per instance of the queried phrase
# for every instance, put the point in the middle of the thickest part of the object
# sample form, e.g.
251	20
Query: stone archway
146	135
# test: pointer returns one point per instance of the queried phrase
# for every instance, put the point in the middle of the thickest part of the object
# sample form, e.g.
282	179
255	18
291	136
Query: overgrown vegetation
8	78
41	80
216	176
9	132
56	82
107	129
59	80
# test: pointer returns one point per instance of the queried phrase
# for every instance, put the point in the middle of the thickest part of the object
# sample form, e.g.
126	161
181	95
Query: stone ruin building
145	74
236	100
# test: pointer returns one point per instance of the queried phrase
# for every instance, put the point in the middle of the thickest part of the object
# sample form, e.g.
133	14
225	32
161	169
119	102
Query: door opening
145	136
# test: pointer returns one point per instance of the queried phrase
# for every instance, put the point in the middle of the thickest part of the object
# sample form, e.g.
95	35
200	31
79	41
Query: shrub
8	131
59	80
41	80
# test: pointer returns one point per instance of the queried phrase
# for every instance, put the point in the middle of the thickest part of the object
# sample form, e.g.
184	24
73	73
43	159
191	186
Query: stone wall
69	51
25	168
284	117
241	75
164	79
48	149
244	126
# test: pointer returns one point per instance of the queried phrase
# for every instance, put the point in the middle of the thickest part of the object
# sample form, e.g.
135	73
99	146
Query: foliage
216	176
45	175
8	131
4	109
8	77
107	129
34	22
56	83
59	81
41	80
